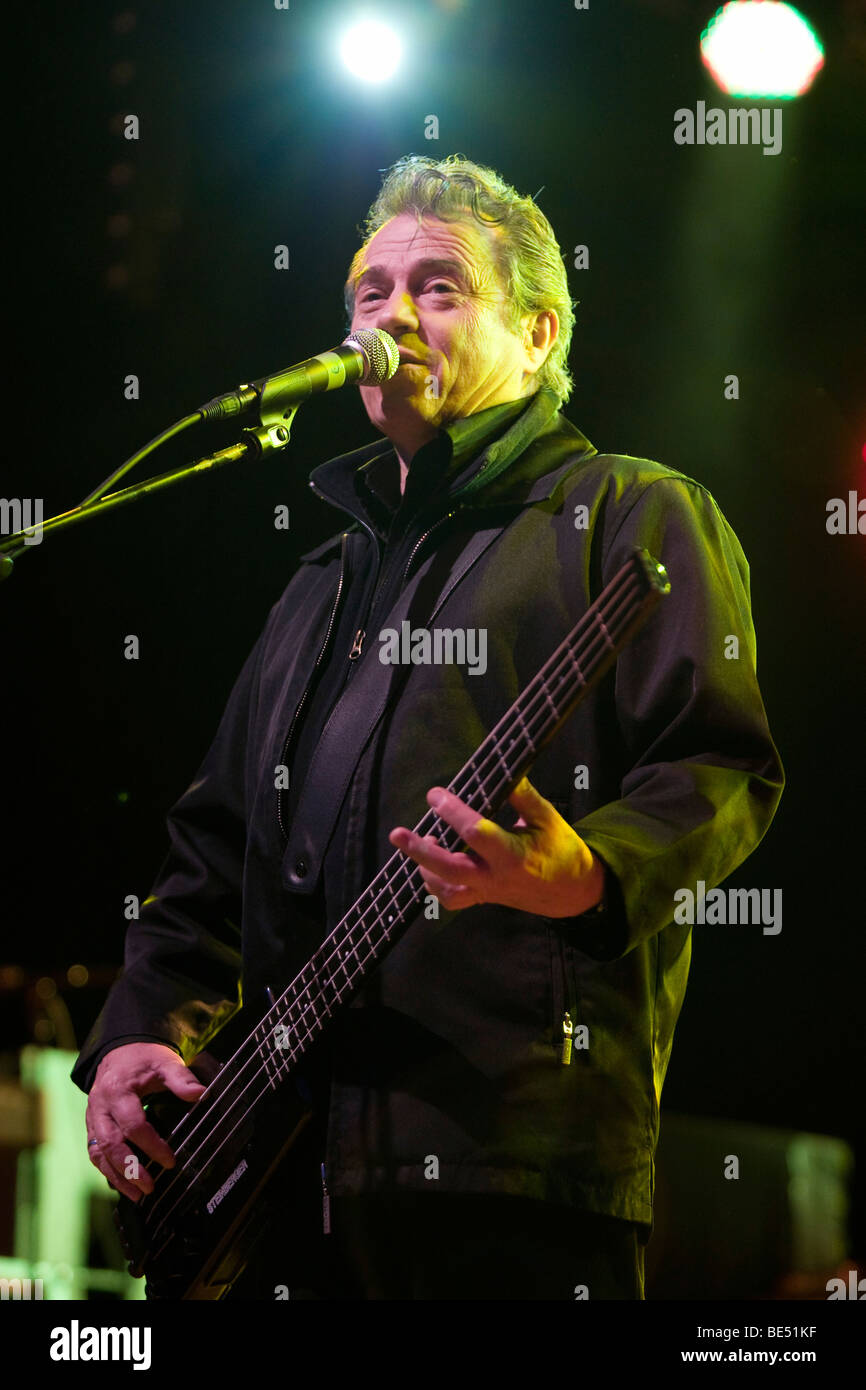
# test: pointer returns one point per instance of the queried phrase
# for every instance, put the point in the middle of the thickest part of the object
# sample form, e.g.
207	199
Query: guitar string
287	1062
391	888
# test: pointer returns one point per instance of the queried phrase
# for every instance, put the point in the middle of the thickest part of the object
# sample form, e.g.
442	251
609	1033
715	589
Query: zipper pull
326	1206
567	1033
357	644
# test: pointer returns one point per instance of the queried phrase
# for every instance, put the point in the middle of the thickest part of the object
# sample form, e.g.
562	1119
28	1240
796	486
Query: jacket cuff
84	1071
602	931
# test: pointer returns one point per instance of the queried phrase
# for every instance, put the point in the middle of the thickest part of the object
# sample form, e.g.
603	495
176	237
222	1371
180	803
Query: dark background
704	261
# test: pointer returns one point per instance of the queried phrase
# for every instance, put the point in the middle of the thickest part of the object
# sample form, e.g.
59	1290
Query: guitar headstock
652	570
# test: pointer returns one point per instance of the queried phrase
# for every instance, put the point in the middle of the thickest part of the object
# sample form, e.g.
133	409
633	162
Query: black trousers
433	1245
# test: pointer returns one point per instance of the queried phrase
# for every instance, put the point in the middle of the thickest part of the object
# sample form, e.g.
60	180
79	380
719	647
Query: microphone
368	357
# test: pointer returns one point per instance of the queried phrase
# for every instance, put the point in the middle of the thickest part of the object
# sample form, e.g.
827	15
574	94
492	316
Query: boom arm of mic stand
257	442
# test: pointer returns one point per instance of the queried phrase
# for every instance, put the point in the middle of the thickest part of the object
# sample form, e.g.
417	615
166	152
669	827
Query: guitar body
191	1238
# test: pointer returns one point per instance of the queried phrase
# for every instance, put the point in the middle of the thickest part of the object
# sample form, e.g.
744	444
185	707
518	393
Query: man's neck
407	438
404	471
405	456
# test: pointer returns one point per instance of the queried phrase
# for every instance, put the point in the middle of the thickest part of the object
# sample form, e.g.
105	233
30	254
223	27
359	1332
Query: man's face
435	289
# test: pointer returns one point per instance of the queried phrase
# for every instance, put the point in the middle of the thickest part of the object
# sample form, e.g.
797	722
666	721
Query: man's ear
540	332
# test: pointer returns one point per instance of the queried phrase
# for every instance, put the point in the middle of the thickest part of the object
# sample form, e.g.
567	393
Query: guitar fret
506	769
270	1066
391	917
576	664
606	634
476	778
525	730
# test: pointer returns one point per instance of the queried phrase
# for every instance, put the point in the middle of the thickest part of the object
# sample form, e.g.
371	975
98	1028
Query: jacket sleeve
182	962
704	777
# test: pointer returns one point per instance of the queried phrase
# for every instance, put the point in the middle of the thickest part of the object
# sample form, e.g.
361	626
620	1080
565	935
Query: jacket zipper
564	1005
423	538
326	1204
567	1034
358	643
288	739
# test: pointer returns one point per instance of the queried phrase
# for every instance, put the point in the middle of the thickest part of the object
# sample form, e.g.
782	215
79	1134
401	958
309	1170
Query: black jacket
452	1049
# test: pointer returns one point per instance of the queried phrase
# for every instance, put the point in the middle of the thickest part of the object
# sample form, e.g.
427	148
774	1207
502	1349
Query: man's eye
370	296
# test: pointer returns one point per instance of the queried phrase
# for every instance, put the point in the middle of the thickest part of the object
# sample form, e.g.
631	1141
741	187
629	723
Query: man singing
486	1108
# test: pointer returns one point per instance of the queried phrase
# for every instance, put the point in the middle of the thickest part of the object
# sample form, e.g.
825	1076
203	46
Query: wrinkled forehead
406	240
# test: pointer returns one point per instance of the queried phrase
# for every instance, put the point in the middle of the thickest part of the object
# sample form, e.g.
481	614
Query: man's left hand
541	866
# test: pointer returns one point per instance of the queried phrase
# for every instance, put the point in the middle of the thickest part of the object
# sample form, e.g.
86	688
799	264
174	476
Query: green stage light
761	49
371	51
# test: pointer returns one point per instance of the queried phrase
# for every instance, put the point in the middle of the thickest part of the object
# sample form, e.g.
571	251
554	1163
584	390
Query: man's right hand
116	1118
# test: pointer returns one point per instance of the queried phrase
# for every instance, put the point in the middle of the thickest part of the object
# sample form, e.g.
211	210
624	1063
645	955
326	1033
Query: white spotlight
371	51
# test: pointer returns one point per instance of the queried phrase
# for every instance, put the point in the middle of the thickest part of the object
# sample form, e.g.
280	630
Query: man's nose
397	312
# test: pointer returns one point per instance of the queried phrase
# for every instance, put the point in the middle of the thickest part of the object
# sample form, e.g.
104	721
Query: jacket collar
483	466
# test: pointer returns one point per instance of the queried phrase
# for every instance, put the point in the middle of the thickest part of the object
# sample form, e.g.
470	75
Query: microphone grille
381	352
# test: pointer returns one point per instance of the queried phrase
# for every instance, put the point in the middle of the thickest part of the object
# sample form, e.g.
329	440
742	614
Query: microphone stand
258	441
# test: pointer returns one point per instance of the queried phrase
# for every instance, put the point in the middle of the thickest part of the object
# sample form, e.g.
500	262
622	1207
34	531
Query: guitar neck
376	921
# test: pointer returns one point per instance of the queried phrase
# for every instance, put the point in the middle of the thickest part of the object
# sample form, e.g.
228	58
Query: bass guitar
192	1236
